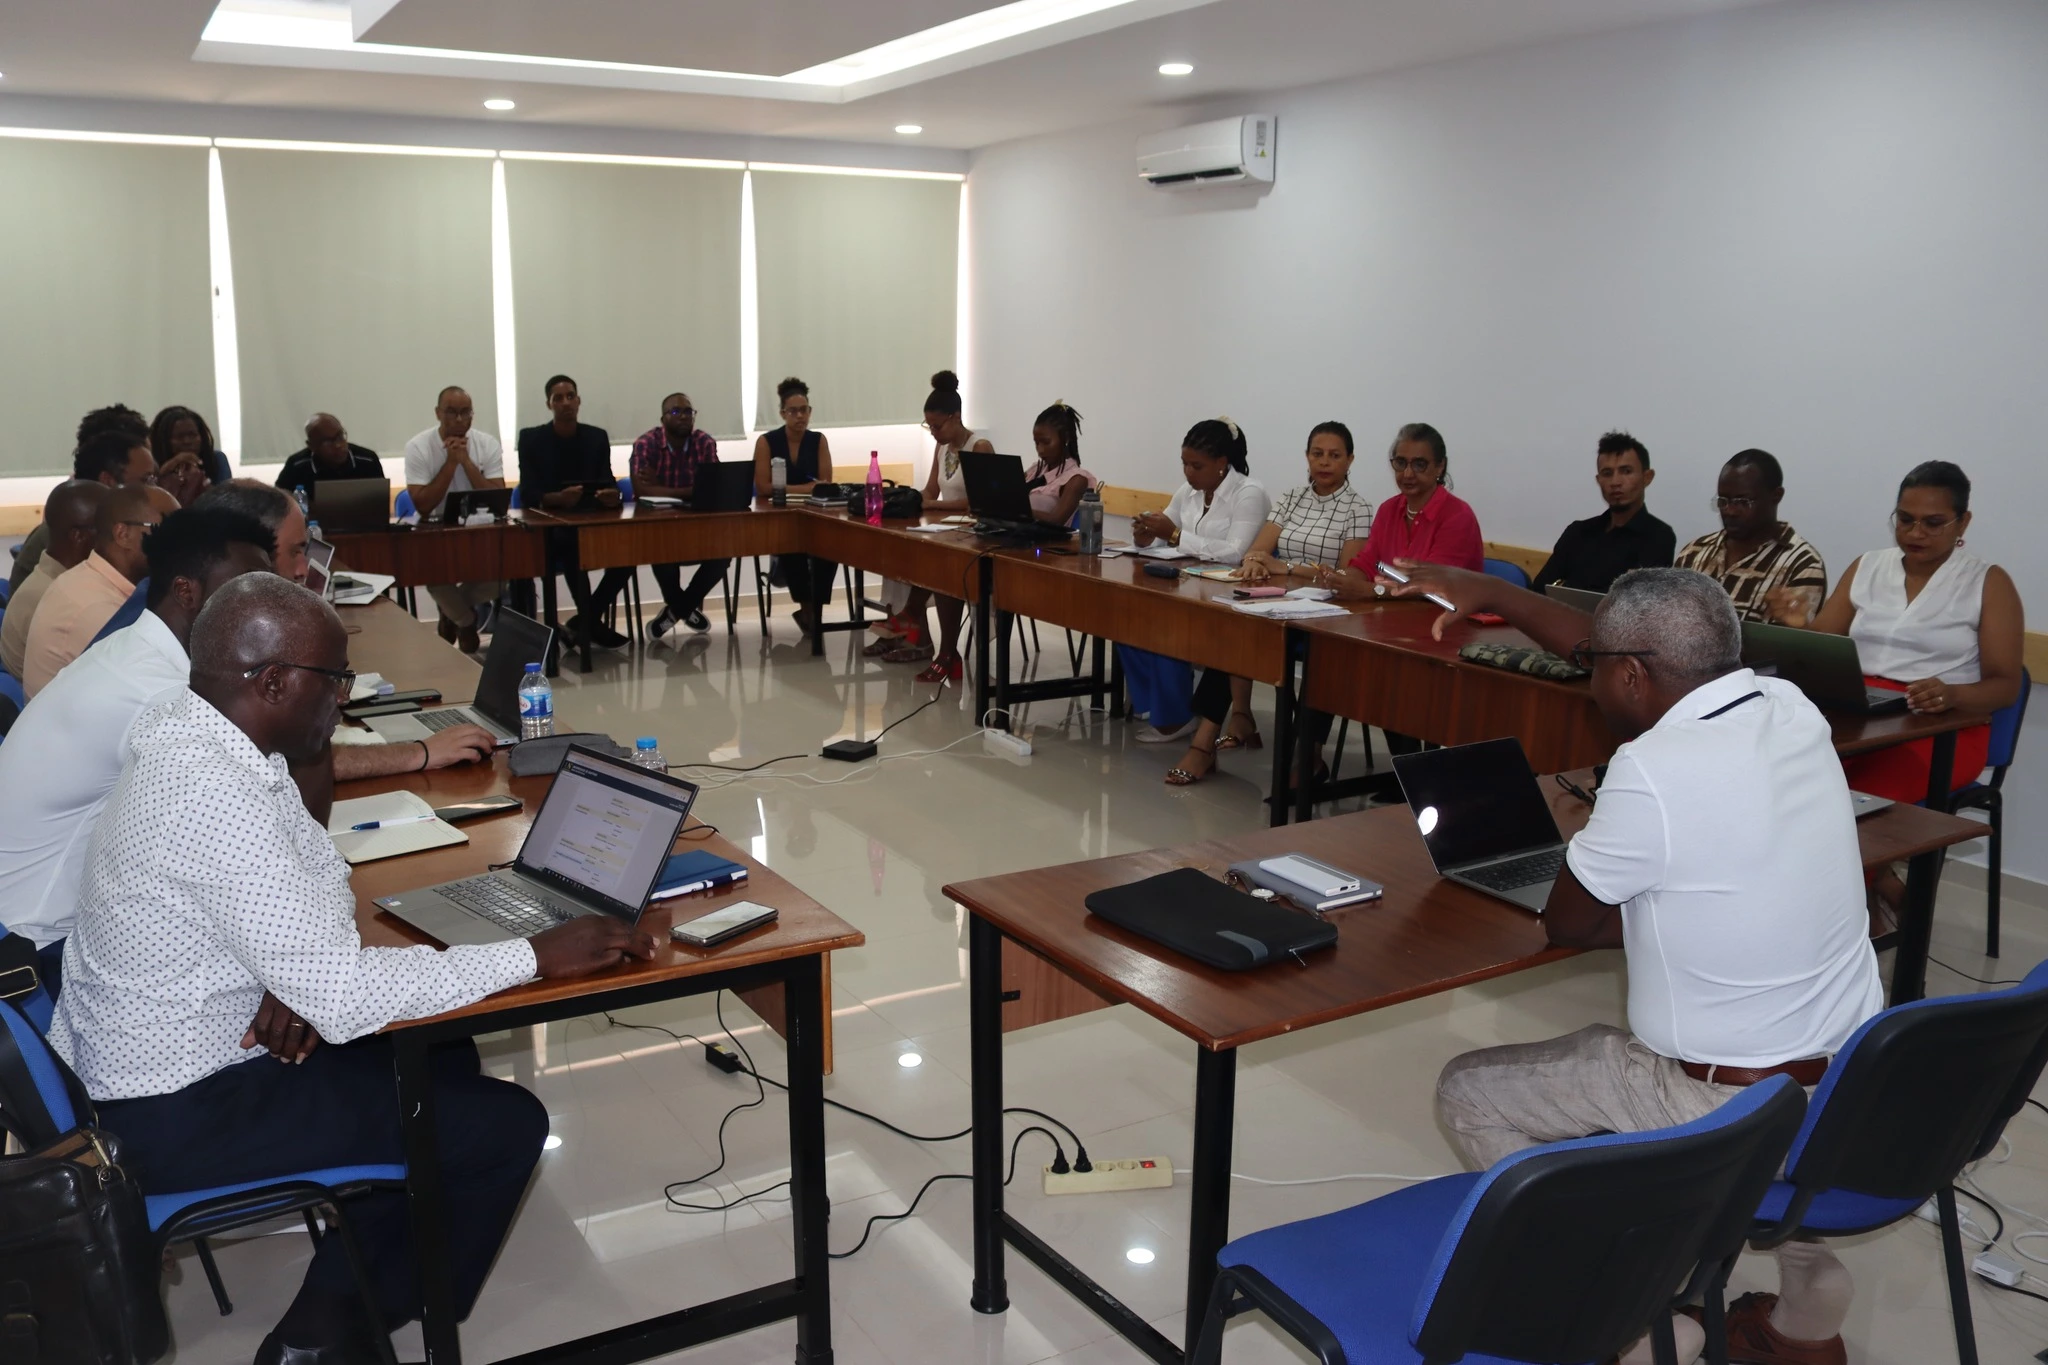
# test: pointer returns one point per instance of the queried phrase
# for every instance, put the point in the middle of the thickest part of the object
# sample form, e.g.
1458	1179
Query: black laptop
1825	667
461	505
1484	819
1000	500
727	486
351	504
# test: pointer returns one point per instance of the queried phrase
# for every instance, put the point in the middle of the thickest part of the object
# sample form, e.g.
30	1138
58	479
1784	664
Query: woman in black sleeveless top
809	578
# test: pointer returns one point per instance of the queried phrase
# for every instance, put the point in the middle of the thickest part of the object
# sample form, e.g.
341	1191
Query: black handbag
898	503
79	1267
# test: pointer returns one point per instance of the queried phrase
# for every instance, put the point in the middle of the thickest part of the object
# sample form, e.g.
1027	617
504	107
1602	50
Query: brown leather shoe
467	641
1753	1341
446	628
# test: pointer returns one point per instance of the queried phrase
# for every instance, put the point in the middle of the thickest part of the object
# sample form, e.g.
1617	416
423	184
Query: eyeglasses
794	411
1904	521
1731	504
681	412
1583	654
344	680
146	526
1417	466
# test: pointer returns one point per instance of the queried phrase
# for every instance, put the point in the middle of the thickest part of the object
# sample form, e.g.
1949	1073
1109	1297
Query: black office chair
1989	797
1567	1252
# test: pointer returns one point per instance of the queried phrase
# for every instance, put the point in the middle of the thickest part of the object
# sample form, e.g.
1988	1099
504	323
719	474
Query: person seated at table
1057	480
563	464
1754	554
186	462
807	462
1592	553
328	454
449	457
1215	516
86	595
665	464
1722	859
112	449
277	510
1929	620
216	938
71	516
906	635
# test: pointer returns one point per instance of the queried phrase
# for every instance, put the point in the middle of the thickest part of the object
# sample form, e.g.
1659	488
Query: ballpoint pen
387	824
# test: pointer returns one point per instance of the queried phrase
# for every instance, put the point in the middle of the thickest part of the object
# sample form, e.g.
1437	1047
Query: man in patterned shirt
665	465
216	939
1766	566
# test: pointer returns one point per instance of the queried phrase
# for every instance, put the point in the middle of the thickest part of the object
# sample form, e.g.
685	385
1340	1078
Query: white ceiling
145	50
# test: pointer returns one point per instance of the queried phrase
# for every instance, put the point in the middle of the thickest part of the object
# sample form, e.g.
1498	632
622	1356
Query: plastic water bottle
536	704
647	754
305	503
779	473
1088	521
874	488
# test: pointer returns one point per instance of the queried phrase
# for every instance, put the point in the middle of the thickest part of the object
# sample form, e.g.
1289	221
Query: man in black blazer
563	465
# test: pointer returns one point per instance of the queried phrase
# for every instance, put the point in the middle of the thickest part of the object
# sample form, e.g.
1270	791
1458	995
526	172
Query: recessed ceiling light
500	106
1176	69
553	1141
1139	1256
908	1059
910	129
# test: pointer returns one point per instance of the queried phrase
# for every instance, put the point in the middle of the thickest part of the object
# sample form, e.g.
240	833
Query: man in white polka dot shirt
216	919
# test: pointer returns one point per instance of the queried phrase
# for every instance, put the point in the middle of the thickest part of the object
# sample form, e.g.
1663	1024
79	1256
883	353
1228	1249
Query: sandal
943	669
1249	738
913	653
1181	777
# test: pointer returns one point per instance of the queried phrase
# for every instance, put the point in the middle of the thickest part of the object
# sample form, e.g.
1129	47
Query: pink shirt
1447	532
1046	497
84	598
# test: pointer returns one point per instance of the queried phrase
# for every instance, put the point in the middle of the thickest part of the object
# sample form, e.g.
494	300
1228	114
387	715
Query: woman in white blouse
1929	620
1214	517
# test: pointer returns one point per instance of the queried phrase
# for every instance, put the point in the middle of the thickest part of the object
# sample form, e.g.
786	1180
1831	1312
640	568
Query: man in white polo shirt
448	457
1722	859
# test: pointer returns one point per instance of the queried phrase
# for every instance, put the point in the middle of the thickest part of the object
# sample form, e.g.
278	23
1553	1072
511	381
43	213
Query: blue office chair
6	590
194	1215
1567	1252
1935	1082
1987	797
402	506
1513	573
12	700
626	490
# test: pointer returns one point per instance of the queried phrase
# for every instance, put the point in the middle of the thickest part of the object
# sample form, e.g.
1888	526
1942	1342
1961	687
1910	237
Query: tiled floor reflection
636	1110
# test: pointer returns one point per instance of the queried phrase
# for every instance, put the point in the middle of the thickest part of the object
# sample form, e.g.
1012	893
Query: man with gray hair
1722	860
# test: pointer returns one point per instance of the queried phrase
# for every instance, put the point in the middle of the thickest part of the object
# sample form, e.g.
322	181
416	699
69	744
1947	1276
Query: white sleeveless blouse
1935	636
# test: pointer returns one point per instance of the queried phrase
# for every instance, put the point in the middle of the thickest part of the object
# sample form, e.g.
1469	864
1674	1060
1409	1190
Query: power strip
1133	1173
1003	744
1999	1269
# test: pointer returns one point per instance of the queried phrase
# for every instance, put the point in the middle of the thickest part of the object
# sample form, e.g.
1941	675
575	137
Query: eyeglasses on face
679	412
1720	504
797	410
145	526
1906	521
1421	465
344	680
1583	654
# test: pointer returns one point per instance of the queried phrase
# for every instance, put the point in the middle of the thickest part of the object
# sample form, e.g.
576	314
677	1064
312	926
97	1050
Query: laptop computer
352	504
1484	820
999	499
1582	598
320	568
1824	667
727	486
459	506
516	641
597	847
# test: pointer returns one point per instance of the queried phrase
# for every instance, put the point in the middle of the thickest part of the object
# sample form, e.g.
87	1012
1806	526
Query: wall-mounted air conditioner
1229	151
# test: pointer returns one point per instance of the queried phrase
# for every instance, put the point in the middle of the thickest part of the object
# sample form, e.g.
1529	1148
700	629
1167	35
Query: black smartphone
477	809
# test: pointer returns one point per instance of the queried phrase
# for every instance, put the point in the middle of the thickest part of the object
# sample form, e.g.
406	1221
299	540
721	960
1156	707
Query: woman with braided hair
1057	481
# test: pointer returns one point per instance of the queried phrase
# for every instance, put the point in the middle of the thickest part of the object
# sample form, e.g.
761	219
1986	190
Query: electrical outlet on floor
1003	744
1123	1173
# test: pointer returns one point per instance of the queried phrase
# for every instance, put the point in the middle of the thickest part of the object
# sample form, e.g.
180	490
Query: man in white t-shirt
450	458
1722	859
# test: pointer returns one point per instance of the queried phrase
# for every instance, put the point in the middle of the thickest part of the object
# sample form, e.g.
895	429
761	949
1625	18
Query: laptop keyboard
437	721
1518	872
506	906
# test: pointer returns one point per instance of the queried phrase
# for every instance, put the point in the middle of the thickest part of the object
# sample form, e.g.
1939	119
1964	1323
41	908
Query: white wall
1811	227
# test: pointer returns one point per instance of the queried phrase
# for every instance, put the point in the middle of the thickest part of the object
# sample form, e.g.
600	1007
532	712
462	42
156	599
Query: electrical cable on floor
760	1098
1321	1179
2011	1288
868	1229
1998	1234
1966	976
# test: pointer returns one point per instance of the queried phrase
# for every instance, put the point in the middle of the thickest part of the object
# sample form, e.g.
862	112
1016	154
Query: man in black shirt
329	454
1592	553
563	465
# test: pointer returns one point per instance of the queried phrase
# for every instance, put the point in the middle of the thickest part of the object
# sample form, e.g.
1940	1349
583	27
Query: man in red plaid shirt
665	464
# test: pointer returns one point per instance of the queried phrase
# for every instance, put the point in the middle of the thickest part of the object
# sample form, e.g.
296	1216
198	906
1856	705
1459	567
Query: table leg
1101	651
1286	717
802	994
1003	626
1941	771
1117	707
1923	880
415	1080
1303	778
550	613
985	1048
982	605
1209	1195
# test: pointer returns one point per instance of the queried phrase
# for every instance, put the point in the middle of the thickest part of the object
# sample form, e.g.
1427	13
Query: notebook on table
409	826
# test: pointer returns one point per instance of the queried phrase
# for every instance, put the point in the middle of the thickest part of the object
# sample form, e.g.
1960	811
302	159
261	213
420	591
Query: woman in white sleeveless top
906	635
1934	622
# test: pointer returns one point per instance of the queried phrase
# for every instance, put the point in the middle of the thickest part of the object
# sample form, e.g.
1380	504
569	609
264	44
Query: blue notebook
697	870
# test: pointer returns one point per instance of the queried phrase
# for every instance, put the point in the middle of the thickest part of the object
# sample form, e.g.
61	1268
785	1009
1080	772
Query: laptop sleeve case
1194	914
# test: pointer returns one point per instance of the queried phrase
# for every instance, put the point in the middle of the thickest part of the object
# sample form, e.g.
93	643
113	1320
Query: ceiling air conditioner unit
1228	151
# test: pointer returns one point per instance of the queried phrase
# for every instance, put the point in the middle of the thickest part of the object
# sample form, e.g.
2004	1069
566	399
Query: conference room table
1423	936
781	970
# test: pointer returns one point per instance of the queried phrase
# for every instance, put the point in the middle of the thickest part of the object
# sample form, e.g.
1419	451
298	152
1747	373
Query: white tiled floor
594	1245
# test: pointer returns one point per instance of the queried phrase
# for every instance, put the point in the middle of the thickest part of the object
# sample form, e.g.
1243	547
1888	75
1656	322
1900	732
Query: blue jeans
1160	687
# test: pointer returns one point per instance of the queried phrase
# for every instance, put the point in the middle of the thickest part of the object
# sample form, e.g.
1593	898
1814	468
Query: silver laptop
597	847
320	568
1584	599
1484	820
516	641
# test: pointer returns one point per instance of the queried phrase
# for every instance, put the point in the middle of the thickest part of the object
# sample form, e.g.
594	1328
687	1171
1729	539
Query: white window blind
104	288
627	277
857	290
362	286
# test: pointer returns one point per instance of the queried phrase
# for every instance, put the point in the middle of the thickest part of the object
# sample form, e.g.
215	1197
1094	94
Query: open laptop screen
605	830
319	567
995	486
1476	801
516	641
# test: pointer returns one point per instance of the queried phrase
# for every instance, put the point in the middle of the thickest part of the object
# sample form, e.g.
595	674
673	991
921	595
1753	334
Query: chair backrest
1920	1090
37	1094
1568	1252
625	490
1512	572
2005	729
402	505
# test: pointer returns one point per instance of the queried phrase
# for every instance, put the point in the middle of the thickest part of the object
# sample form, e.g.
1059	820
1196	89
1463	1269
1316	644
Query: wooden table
385	638
1426	935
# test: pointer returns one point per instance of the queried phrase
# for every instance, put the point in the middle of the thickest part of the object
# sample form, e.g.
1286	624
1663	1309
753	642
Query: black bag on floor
79	1267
